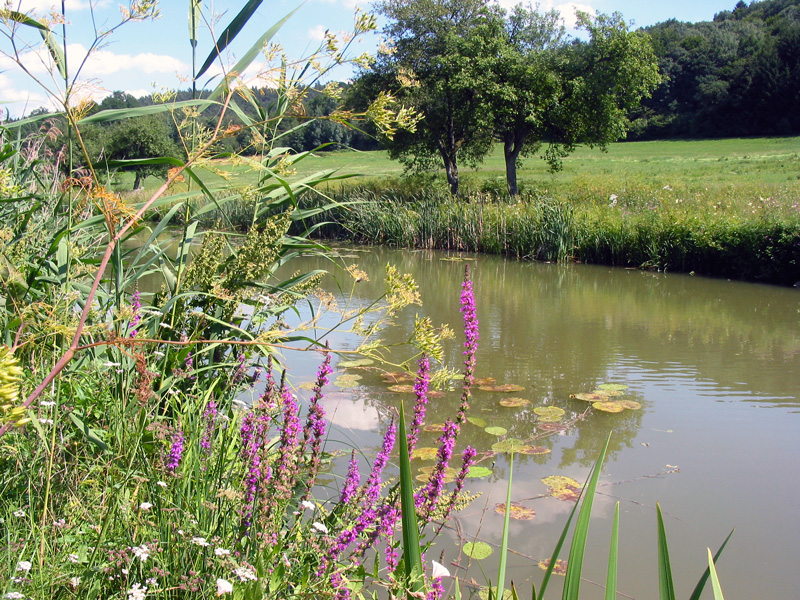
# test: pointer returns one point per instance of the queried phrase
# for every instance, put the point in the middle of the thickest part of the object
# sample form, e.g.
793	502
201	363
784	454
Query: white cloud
317	33
42	6
566	9
105	62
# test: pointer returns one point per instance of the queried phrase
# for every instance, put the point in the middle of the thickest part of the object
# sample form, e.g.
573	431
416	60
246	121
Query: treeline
738	75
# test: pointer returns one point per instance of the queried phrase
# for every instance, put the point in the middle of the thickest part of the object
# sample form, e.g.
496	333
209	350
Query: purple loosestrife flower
136	306
175	452
351	481
470	344
189	364
421	392
437	590
428	497
239	374
210	421
467	460
252	432
314	430
342	591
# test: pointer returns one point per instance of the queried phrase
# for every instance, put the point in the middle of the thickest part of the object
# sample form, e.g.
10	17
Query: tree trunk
137	182
451	168
512	146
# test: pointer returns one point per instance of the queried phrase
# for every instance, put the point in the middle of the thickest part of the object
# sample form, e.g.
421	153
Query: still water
715	365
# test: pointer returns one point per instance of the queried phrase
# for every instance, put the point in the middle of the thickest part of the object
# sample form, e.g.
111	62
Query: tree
141	137
441	65
567	94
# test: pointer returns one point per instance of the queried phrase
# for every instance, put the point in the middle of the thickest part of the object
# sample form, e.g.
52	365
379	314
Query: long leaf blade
501	569
251	54
412	557
230	32
702	582
572	583
611	576
118	114
714	579
666	588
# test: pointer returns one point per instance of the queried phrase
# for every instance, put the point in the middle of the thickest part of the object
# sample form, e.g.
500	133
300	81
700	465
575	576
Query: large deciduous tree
441	63
565	94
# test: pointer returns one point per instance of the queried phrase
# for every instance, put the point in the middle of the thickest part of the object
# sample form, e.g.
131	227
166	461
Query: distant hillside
737	75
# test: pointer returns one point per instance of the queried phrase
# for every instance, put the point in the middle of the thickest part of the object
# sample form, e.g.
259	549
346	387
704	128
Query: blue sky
140	58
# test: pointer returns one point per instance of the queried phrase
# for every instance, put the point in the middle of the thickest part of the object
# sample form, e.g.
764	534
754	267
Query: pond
714	364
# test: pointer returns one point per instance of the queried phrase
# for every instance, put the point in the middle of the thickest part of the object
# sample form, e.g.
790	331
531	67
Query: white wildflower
19	513
75	581
224	587
319	527
439	570
14	596
245	574
200	541
308	505
47	403
163	484
145	506
24	565
137	592
73	558
221	551
141	552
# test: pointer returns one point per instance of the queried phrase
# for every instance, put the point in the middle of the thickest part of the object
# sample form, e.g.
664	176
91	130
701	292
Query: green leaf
118	114
412	557
49	39
666	589
477	550
714	579
91	434
230	32
251	54
195	6
576	552
501	569
698	589
611	576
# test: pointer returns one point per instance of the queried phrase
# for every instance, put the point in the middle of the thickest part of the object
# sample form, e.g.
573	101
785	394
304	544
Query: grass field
708	163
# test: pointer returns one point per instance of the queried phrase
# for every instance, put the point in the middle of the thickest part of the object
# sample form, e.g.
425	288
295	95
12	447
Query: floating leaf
607	393
617	387
559	569
477	550
533	450
517	511
589	397
551	427
398	377
347	381
434	427
477	421
629	404
485	381
502	387
478	471
404	388
494	430
361	362
565	494
514	402
425	453
549	414
307	385
560	481
425	474
483	594
509	445
608	406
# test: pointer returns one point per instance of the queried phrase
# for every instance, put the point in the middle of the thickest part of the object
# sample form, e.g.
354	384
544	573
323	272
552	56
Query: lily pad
477	421
629	404
405	388
347	381
565	494
607	393
494	430
560	567
398	377
307	385
478	471
433	427
485	381
589	397
549	414
617	387
502	387
425	453
533	450
608	406
514	402
425	474
517	511
483	593
477	550
360	362
560	481
509	445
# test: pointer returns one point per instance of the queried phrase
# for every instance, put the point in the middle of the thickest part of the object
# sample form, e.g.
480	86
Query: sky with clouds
140	58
